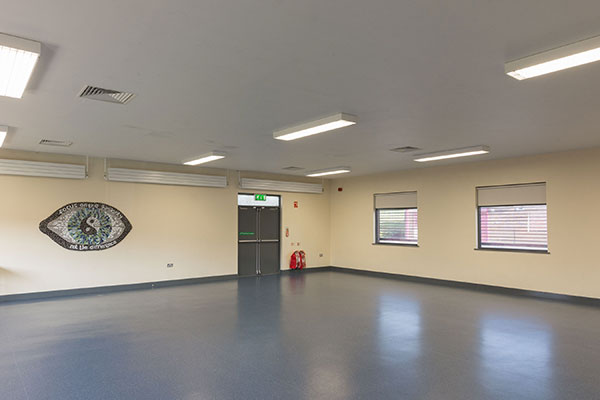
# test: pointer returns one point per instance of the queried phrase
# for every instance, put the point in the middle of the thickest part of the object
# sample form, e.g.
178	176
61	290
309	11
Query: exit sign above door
258	200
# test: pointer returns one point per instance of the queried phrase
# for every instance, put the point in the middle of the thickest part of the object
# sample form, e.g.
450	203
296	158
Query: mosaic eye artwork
86	226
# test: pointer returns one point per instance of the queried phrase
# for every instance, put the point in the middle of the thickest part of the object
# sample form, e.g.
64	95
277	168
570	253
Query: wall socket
170	265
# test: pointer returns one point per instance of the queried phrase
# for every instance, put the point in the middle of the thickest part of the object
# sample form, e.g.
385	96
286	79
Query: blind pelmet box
532	193
396	200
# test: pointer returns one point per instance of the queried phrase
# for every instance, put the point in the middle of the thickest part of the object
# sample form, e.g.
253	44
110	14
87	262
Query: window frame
508	249
377	240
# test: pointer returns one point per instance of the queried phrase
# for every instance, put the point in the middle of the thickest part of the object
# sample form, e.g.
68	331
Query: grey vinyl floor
325	335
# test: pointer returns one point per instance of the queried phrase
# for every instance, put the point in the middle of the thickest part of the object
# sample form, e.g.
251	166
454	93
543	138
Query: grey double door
258	240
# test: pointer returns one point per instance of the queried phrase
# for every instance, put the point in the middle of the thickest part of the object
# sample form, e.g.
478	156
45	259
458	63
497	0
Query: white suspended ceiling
223	76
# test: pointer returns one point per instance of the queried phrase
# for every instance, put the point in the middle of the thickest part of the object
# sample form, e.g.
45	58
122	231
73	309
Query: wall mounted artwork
86	226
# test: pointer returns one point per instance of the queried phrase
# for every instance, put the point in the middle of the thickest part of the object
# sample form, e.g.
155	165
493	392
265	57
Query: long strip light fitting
442	155
18	58
204	158
330	123
569	56
3	133
329	171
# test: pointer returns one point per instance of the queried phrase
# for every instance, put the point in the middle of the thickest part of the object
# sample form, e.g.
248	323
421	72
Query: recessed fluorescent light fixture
329	171
569	56
3	132
330	123
204	158
442	155
17	59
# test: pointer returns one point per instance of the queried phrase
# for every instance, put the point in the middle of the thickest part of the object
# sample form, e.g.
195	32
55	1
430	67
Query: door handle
257	259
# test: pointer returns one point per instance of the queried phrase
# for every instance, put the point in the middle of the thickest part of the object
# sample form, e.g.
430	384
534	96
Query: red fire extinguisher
298	260
295	260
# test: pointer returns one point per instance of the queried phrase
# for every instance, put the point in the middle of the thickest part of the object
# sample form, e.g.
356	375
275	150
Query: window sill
514	251
396	244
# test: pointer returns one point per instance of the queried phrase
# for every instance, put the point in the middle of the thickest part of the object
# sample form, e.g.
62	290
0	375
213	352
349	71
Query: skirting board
128	287
111	289
589	301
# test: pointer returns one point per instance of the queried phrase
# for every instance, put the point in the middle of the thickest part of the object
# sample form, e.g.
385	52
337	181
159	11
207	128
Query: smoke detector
292	168
405	149
112	96
59	143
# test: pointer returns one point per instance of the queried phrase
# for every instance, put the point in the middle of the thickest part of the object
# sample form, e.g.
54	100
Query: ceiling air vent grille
112	96
405	149
60	143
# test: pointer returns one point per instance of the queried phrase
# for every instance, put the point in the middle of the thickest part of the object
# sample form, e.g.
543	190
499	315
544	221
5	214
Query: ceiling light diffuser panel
204	158
18	58
329	171
3	133
569	56
443	155
330	123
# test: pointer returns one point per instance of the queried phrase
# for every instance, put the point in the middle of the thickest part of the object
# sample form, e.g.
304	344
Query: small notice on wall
86	226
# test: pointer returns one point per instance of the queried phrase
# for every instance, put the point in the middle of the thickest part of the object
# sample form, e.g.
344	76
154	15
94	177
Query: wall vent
405	149
60	143
280	186
292	168
112	96
164	178
43	169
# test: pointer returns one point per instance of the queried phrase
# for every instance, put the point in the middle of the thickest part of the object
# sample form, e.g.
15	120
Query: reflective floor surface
325	335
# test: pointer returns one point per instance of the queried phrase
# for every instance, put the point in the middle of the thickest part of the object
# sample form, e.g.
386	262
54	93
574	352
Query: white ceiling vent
60	143
405	149
112	96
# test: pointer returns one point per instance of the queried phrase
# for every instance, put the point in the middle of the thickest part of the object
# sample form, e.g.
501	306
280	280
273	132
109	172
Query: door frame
279	250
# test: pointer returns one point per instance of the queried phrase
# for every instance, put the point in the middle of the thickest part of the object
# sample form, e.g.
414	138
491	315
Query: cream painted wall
194	228
308	226
447	224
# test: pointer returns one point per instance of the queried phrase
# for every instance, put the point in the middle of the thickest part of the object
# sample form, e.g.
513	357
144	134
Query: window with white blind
396	218
513	217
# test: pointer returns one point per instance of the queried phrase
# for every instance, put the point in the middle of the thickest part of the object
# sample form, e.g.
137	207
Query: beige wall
194	228
447	224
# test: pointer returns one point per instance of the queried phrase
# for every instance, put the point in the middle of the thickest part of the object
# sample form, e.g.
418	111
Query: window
513	217
397	226
396	218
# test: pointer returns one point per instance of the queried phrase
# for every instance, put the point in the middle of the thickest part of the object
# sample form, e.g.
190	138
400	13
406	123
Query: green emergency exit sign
260	197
